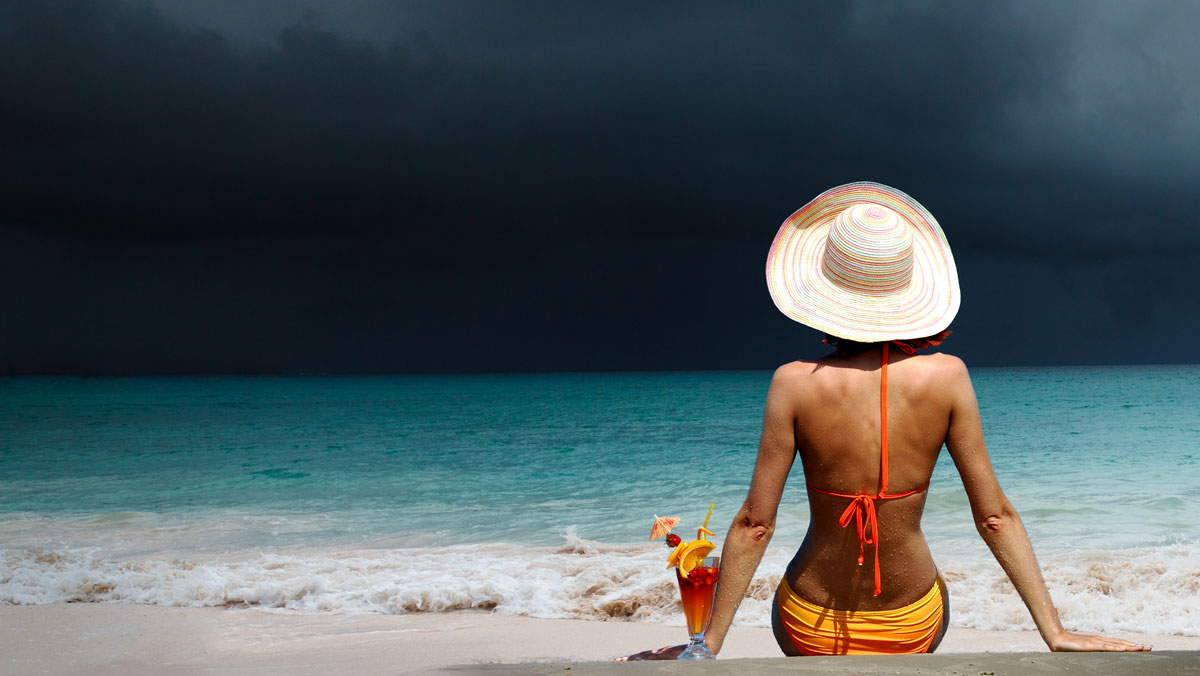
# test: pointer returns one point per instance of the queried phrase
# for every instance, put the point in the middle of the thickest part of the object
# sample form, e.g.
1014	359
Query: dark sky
221	186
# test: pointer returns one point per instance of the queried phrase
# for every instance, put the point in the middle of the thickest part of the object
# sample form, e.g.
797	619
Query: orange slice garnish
673	559
693	555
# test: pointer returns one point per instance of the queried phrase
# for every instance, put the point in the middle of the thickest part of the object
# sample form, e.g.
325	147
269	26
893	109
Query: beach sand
126	639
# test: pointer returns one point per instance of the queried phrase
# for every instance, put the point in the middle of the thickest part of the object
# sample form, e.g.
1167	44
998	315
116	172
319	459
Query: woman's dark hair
846	347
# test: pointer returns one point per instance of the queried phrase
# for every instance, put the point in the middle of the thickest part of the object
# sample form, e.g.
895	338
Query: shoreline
117	639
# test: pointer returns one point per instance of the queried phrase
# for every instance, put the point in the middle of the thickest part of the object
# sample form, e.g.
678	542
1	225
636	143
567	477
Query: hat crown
869	251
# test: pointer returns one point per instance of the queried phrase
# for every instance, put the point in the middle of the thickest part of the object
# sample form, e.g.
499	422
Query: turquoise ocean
534	494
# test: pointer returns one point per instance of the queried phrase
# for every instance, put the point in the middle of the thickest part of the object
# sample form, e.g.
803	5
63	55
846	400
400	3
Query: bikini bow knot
862	510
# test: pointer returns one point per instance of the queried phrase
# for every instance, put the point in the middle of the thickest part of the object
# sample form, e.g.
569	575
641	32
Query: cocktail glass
696	591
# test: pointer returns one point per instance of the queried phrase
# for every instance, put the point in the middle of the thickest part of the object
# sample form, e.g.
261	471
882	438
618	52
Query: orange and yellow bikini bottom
821	631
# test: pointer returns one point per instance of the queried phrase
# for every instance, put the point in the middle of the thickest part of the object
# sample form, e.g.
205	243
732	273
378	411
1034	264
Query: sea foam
1150	589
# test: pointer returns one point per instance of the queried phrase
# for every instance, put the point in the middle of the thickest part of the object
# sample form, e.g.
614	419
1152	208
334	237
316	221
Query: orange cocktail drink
697	573
696	592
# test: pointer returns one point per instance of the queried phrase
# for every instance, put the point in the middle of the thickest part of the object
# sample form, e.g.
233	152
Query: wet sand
114	639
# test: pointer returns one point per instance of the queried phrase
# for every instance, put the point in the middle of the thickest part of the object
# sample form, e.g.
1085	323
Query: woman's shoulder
934	367
942	376
798	370
942	361
936	364
795	376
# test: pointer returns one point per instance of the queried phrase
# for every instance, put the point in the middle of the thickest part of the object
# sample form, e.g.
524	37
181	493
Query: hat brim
803	292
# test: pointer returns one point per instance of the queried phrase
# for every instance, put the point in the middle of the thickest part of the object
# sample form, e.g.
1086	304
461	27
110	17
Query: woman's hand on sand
668	653
1068	642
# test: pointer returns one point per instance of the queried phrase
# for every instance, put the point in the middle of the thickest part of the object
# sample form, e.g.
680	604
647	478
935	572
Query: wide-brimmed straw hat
864	262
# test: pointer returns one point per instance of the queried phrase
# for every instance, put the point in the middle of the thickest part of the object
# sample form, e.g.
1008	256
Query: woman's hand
668	653
1068	642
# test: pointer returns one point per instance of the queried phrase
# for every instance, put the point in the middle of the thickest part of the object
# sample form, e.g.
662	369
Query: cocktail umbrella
662	526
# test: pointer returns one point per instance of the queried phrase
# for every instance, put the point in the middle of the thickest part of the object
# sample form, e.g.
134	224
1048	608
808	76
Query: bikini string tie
862	510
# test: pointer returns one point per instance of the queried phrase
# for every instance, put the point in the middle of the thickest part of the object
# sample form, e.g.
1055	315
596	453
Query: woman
870	267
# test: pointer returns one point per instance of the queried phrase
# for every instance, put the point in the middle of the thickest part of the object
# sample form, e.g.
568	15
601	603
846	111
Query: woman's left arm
754	524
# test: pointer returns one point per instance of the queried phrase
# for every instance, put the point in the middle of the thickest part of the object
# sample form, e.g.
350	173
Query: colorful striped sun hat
864	262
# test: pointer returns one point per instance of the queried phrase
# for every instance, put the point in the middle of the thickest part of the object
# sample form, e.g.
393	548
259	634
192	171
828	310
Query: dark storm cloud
477	185
120	123
670	117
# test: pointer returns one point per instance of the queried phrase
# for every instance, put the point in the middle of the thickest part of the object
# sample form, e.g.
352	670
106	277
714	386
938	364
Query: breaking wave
1149	590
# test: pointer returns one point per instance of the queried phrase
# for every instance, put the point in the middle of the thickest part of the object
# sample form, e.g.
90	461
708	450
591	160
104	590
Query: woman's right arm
999	524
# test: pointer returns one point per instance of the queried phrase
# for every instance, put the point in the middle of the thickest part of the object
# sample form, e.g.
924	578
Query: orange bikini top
862	509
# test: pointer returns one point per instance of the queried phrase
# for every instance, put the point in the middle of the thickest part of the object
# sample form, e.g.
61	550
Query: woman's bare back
837	430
